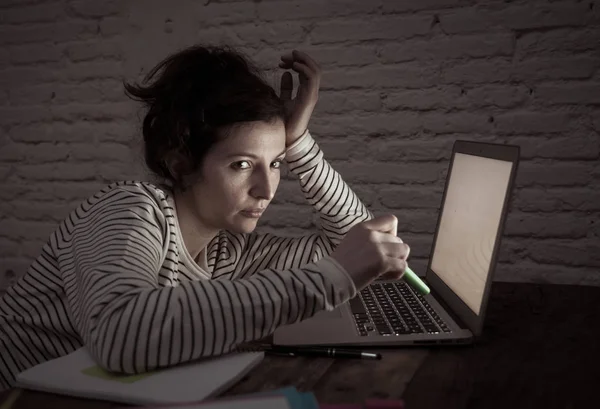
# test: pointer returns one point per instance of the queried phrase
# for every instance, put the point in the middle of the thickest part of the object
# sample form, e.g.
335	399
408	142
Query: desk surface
540	348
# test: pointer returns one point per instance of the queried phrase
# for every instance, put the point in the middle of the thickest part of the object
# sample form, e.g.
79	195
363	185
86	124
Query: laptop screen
469	225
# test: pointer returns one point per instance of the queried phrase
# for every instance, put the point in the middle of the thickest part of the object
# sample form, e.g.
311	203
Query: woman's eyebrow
250	155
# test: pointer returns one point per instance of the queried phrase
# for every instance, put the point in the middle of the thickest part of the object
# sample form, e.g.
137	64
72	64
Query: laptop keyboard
393	308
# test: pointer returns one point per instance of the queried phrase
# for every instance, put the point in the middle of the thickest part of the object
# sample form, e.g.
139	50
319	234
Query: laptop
461	265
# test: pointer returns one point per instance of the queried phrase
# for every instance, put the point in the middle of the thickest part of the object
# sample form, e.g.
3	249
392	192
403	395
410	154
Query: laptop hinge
448	309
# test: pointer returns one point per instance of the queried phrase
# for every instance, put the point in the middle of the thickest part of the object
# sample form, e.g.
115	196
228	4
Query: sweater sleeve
131	324
338	207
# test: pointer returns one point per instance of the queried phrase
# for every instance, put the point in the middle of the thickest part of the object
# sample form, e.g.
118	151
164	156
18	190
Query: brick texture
401	81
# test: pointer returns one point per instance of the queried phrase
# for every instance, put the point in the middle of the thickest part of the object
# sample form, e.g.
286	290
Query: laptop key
401	331
357	306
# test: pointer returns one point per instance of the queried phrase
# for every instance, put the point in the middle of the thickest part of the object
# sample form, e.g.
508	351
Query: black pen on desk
321	352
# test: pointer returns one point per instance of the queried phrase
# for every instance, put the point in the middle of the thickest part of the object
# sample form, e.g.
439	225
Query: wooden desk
541	348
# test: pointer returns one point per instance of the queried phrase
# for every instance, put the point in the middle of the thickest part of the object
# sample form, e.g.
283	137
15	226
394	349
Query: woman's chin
246	226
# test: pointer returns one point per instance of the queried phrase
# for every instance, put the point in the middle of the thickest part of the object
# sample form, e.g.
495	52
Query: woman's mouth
252	213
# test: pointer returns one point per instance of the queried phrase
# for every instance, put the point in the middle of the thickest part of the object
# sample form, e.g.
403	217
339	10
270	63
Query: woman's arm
339	209
119	246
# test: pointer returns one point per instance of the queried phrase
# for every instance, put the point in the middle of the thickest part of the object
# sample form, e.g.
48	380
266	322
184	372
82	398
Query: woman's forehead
256	137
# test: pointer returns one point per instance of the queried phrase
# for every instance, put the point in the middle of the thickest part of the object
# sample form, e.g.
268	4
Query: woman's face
239	177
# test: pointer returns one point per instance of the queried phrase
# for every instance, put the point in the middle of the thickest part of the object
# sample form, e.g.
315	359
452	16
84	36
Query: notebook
473	211
77	374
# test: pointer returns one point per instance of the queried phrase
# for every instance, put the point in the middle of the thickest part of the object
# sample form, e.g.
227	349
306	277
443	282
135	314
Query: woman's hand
299	109
372	250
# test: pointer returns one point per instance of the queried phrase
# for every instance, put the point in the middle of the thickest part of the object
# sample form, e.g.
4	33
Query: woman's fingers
395	250
309	78
394	227
395	271
303	69
289	60
306	59
383	237
287	57
383	223
307	75
308	90
287	86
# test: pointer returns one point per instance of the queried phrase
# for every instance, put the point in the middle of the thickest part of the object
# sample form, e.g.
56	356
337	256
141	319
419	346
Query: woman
152	275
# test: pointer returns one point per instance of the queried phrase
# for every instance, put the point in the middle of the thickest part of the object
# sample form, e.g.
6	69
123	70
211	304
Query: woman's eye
277	164
243	164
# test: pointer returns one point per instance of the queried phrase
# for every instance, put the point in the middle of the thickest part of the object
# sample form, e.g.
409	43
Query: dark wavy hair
193	98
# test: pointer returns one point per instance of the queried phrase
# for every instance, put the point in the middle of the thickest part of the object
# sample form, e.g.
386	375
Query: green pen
415	281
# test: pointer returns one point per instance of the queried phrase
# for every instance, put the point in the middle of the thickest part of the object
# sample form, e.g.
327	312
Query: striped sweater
116	277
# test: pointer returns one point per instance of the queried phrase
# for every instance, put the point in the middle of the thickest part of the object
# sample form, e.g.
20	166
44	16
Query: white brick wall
402	81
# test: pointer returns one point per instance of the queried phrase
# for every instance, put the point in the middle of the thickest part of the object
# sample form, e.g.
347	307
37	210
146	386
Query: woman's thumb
287	86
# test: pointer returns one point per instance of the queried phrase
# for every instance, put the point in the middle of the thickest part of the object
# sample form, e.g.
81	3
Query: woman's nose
264	186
